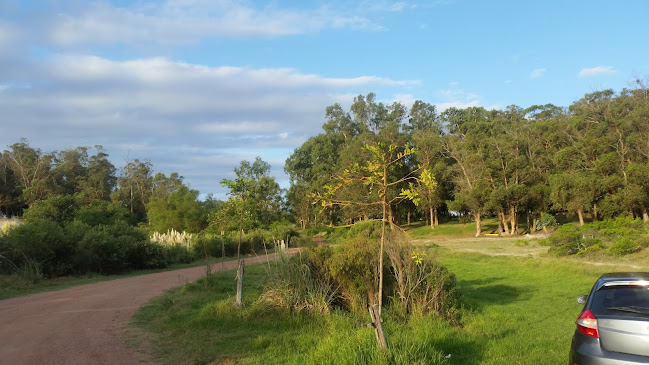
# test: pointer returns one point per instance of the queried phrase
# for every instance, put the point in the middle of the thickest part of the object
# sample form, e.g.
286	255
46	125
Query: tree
32	168
179	210
466	144
376	174
100	179
134	187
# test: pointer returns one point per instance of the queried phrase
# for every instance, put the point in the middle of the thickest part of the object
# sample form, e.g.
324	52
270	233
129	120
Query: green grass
516	311
456	229
521	310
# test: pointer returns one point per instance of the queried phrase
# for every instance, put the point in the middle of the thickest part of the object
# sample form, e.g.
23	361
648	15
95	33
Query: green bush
291	285
366	229
103	212
624	246
353	266
624	235
40	243
547	221
421	285
57	208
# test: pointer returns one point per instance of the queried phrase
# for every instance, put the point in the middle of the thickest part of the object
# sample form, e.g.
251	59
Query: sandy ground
85	324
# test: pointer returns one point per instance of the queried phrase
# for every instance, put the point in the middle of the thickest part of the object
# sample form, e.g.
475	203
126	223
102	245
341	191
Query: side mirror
582	299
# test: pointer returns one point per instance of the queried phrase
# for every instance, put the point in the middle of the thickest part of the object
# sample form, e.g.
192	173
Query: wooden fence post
378	327
240	283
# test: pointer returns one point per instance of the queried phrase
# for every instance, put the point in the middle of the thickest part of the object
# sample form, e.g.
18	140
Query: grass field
517	310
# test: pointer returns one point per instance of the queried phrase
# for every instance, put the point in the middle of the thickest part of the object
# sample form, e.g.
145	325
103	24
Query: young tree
376	174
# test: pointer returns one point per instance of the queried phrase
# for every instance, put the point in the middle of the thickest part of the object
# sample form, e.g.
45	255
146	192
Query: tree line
39	184
589	160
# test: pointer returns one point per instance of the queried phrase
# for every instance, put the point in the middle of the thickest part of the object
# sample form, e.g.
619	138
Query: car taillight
587	324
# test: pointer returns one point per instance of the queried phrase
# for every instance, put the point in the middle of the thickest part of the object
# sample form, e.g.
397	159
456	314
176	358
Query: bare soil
86	324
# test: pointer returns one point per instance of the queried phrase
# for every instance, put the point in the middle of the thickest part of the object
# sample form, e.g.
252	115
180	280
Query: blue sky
195	86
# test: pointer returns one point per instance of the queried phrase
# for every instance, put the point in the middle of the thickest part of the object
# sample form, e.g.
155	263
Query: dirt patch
87	324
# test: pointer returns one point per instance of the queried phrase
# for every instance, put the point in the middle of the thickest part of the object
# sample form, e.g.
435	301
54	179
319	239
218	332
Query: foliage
178	210
547	221
292	286
75	248
622	236
624	246
422	286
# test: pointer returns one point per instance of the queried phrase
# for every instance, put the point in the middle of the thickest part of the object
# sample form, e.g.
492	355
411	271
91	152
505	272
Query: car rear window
630	300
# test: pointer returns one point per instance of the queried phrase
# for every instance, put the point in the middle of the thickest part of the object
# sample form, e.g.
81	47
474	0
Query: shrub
116	248
291	285
42	244
56	208
624	246
570	239
366	229
547	221
354	269
422	286
103	212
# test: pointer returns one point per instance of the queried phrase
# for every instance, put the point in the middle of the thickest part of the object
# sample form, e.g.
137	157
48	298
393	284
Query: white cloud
597	71
172	112
457	98
180	22
536	73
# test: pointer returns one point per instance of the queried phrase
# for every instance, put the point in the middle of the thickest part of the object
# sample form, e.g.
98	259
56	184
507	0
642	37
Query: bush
624	246
41	244
103	212
547	221
422	286
353	267
110	249
366	229
291	285
624	234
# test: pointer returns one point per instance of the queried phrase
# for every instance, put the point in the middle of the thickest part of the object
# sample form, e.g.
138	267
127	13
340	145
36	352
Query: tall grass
290	285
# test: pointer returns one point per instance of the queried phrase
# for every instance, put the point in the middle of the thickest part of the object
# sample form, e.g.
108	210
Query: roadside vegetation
508	310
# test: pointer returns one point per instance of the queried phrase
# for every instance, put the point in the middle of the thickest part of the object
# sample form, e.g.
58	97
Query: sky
196	86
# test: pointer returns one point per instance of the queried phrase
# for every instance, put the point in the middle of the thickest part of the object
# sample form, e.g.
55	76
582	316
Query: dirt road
85	324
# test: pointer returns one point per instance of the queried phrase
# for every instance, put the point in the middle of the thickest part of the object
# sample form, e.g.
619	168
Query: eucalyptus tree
134	187
32	170
466	144
100	180
10	192
425	133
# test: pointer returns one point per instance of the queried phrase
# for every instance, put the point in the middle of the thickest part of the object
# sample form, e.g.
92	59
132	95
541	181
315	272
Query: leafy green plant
624	246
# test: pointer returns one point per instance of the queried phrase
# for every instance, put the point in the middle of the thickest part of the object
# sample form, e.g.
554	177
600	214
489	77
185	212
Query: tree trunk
580	213
595	218
502	220
645	215
478	224
409	212
432	219
513	219
436	217
500	225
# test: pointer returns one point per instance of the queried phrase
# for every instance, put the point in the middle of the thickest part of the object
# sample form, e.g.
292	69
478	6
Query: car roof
623	279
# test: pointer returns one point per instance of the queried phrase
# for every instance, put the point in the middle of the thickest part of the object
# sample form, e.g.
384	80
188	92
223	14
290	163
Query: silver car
613	327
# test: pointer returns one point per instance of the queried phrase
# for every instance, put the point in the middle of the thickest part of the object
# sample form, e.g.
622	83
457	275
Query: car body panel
620	302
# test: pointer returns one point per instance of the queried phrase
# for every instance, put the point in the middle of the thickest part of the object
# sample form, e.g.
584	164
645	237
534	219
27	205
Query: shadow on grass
481	293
